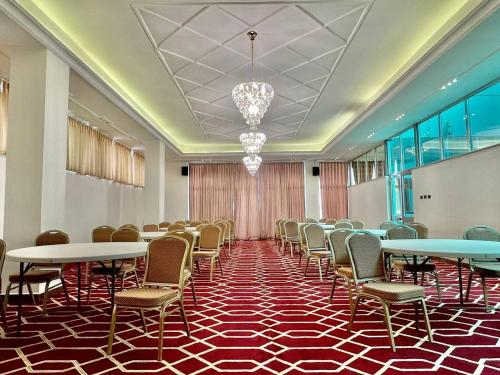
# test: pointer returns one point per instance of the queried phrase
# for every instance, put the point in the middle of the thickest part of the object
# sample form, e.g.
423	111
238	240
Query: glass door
407	187
402	197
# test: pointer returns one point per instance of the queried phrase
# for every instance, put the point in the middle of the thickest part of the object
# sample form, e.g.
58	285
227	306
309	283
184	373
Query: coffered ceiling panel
297	50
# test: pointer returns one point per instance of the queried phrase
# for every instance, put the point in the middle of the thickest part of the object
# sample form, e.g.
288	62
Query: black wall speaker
315	171
184	171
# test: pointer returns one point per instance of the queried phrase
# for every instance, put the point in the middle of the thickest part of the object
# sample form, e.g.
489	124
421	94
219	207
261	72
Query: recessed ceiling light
400	117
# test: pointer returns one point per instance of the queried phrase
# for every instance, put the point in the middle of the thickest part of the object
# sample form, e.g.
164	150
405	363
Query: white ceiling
297	50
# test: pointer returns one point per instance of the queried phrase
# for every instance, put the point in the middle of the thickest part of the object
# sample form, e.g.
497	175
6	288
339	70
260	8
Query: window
407	140
454	131
362	169
484	117
380	160
353	172
429	141
394	155
370	165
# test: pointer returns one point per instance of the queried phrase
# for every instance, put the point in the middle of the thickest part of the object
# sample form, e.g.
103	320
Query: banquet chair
343	221
303	244
182	222
482	267
291	235
42	272
164	225
330	221
343	225
99	234
150	228
341	264
402	265
277	236
386	225
311	221
3	250
232	228
176	227
195	223
357	224
188	270
162	287
209	247
282	234
205	221
122	267
130	226
316	247
366	258
223	227
322	220
422	230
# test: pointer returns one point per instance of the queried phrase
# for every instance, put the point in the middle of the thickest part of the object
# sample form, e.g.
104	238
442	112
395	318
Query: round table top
153	235
189	229
376	232
443	248
78	252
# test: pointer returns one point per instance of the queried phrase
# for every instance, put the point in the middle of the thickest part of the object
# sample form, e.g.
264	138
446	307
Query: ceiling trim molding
20	16
453	36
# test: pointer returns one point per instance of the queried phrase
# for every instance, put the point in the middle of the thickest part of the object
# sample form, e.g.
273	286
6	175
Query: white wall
368	202
464	191
3	164
91	202
176	192
312	192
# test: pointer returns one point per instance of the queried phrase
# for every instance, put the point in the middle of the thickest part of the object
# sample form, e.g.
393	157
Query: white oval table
444	248
73	253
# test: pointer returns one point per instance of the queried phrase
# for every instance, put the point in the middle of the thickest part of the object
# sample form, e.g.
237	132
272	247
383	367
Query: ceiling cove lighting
253	98
252	163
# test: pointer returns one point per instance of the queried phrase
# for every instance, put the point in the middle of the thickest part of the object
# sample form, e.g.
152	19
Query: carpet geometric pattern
262	317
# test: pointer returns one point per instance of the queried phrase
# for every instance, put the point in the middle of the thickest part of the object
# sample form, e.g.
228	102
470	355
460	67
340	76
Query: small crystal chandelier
252	162
253	98
252	142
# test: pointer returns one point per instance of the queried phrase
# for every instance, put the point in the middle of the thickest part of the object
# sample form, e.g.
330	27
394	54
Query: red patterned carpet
263	317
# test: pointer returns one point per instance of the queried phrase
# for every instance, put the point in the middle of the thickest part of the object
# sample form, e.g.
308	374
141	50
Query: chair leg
349	291
89	287
300	257
197	263
335	277
183	314
160	337
123	281
307	265
220	267
319	270
327	267
4	319
112	330
193	291
30	291
469	285
212	261
387	315
485	292
45	298
291	249
63	282
426	319
353	313
229	248
137	283
438	286
143	319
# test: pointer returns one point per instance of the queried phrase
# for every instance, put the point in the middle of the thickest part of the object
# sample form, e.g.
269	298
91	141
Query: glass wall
454	131
394	155
409	151
484	117
430	142
368	166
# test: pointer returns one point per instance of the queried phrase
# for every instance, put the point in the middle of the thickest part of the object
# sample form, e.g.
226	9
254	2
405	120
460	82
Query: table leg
113	279
20	298
460	287
415	273
79	283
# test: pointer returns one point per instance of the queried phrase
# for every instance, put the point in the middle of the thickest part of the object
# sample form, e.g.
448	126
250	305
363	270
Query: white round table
377	232
73	253
149	236
444	248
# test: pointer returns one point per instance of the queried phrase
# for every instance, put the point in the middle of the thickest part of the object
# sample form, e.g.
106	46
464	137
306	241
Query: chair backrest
386	225
315	237
402	232
135	227
282	227
343	225
210	237
422	230
205	221
223	230
166	261
343	221
102	233
195	223
330	221
3	250
165	224
150	228
125	235
322	220
310	220
291	228
52	237
277	227
189	237
232	225
198	227
180	222
336	239
365	254
482	233
176	227
357	224
302	233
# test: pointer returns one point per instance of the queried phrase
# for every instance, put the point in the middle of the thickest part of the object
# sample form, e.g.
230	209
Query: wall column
154	185
312	192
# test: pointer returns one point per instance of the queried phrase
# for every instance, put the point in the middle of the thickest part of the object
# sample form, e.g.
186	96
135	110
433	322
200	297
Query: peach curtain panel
4	110
93	153
227	190
333	185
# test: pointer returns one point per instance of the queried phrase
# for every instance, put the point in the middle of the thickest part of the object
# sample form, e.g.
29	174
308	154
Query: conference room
250	187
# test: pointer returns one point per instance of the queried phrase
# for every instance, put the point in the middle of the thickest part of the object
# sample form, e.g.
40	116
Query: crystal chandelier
252	162
252	142
253	98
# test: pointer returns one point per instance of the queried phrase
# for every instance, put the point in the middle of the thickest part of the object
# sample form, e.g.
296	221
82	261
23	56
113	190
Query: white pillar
35	185
154	185
312	192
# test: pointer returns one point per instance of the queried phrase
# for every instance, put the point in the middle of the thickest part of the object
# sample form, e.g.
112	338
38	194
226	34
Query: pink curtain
227	191
211	191
333	184
281	187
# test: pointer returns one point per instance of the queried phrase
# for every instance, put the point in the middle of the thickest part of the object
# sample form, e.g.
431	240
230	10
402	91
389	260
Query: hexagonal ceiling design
297	50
